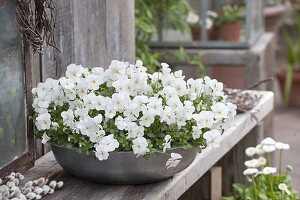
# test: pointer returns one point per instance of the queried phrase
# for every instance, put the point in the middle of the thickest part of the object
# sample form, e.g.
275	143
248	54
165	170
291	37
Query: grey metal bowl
121	167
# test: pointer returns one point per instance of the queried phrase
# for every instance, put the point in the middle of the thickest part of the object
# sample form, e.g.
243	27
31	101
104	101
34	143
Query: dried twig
36	23
244	100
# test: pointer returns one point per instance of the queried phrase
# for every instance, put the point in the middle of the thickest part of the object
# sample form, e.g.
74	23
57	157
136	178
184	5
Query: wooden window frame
25	161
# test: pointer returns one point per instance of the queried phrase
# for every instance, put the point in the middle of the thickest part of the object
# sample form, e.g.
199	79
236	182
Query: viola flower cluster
124	108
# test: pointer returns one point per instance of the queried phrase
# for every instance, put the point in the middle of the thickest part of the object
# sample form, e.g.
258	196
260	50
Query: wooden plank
216	183
76	188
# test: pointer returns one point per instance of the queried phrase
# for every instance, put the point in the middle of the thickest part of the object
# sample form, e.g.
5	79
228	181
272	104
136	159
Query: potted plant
195	24
230	22
124	125
265	181
289	78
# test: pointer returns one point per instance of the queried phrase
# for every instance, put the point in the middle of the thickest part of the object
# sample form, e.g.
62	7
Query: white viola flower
74	72
269	170
269	148
94	81
165	68
250	151
175	103
120	101
90	101
205	119
192	18
284	188
45	138
54	125
110	111
42	89
250	171
96	137
167	143
170	92
212	138
232	110
87	126
268	141
101	102
140	101
132	111
52	85
117	70
43	102
147	119
215	87
67	83
254	163
180	87
43	121
220	110
168	115
98	71
180	118
197	132
155	105
138	63
120	123
98	119
134	130
108	143
70	94
174	160
178	74
189	109
282	146
139	146
68	117
262	161
259	149
101	154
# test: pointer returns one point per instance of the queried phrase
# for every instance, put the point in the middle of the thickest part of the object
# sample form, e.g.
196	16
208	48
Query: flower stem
268	159
280	162
255	189
271	186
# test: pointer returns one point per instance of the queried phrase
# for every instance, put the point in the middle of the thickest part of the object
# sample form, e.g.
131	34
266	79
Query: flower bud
60	184
30	195
53	184
51	191
46	189
38	190
289	168
40	182
28	184
27	190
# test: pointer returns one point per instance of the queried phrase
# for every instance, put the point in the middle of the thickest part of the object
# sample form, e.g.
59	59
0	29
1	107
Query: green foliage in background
151	14
230	14
293	57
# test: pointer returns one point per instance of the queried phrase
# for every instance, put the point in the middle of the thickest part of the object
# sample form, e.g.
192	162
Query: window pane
12	105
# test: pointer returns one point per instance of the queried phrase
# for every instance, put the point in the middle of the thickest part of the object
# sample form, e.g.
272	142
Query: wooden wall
91	33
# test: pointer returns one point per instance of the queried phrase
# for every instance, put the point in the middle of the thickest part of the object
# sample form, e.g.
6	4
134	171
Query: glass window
12	94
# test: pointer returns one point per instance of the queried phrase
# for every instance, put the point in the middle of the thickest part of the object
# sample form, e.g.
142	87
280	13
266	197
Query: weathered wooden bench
76	188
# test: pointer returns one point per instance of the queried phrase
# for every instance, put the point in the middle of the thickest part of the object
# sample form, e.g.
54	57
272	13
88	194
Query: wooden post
90	33
216	183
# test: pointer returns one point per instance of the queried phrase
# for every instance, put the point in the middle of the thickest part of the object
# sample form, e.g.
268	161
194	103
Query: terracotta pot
196	33
273	15
230	32
295	91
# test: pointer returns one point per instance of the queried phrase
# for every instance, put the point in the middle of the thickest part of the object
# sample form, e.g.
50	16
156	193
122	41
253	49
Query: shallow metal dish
121	167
